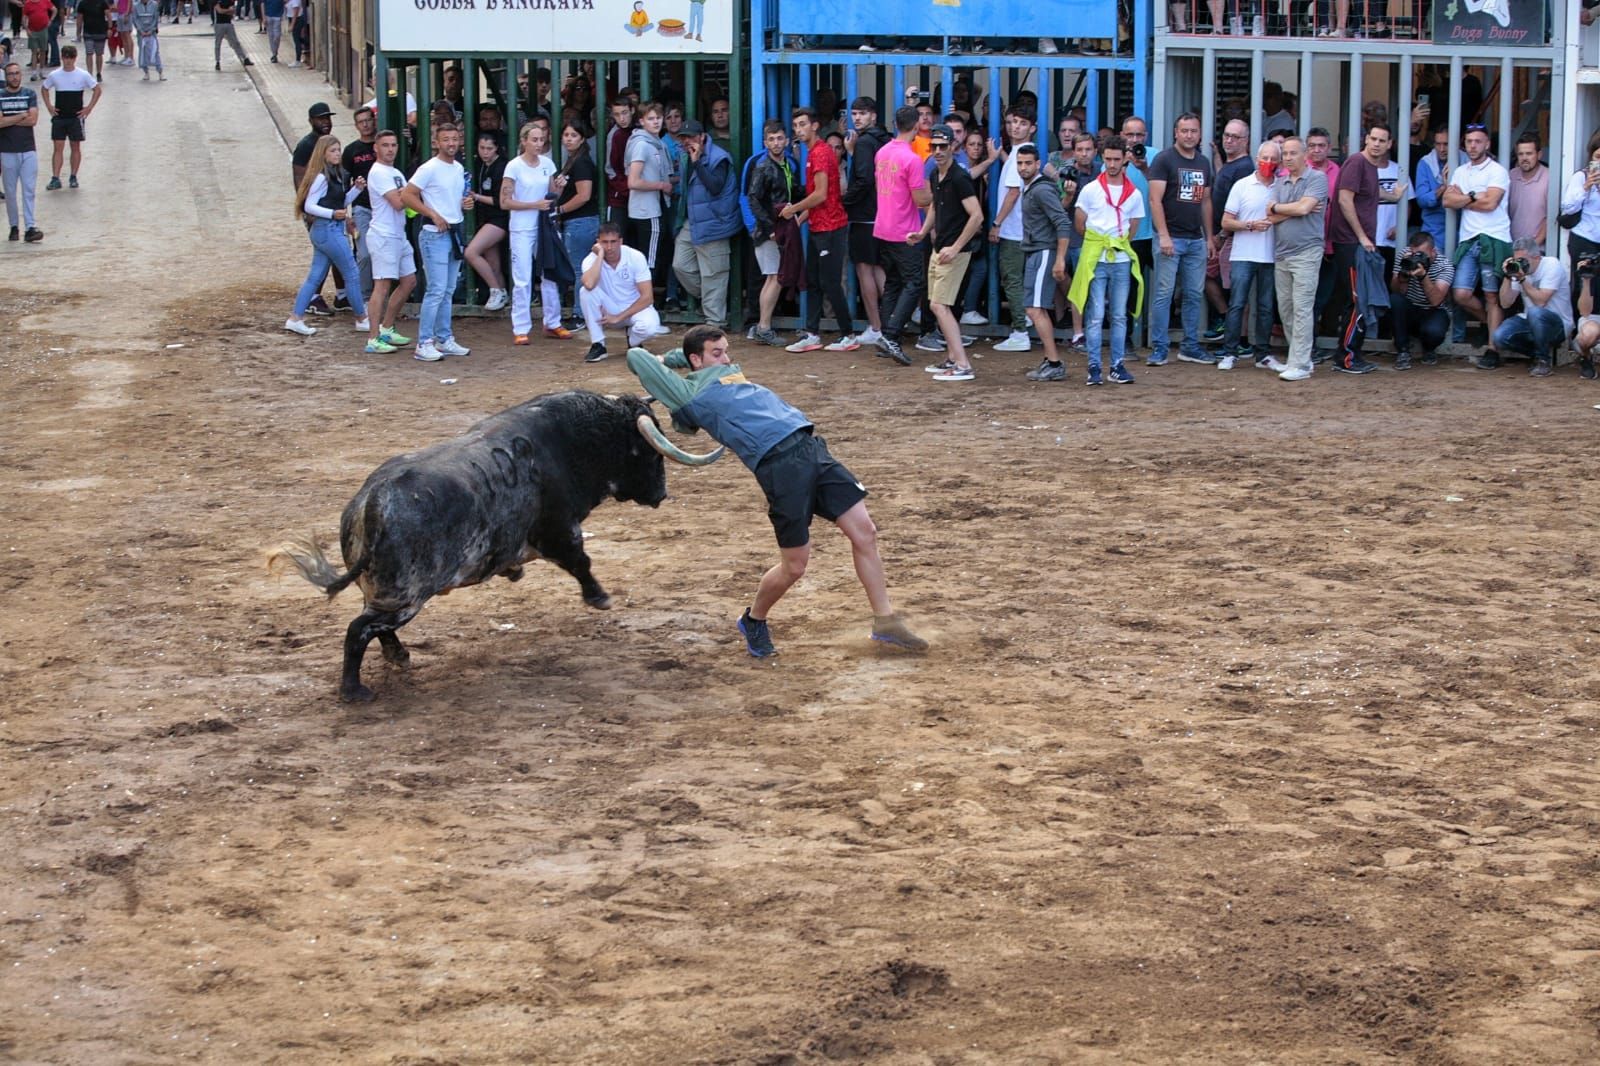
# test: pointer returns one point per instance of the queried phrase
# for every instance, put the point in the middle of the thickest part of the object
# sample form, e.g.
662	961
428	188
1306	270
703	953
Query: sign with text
586	28
1496	23
973	19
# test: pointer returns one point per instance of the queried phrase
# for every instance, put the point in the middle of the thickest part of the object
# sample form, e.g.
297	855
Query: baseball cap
941	134
690	128
318	110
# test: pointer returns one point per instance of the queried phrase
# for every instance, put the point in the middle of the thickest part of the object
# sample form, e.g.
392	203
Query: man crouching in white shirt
616	291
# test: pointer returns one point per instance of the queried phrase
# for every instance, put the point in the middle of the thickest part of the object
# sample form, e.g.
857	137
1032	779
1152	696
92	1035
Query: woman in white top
1580	206
323	202
525	192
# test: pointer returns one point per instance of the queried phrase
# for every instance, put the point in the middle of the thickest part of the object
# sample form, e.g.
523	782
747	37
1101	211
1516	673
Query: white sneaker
843	344
1271	363
295	325
808	342
497	300
450	347
1295	373
363	326
427	352
1225	363
1017	342
869	336
1047	46
974	318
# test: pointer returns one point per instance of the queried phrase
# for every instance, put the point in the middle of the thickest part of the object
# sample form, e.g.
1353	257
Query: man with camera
1546	316
1423	277
1588	338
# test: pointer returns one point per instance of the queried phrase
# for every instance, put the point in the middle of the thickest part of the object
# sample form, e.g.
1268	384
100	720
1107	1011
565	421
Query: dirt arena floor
1259	727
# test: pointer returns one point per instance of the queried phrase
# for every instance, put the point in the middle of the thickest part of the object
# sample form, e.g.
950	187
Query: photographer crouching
1546	317
1423	277
1588	338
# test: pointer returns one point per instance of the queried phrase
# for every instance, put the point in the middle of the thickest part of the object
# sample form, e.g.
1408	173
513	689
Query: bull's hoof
397	656
358	694
599	603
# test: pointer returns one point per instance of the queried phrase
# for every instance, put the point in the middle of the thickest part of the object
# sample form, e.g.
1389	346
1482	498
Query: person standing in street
649	191
860	201
1251	259
1180	204
321	118
36	18
703	256
953	221
1046	243
1355	230
19	157
67	112
1479	189
394	266
438	191
525	195
222	29
324	197
147	22
902	193
1528	198
94	26
272	16
358	157
1107	213
827	253
1006	229
1297	211
492	222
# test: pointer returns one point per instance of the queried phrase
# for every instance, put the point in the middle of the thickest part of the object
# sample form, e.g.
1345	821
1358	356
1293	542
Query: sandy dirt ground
1260	725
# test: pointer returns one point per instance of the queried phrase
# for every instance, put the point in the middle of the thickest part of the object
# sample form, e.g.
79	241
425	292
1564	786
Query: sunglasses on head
1476	126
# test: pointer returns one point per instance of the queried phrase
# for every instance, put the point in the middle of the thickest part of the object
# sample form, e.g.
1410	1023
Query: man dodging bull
794	468
517	486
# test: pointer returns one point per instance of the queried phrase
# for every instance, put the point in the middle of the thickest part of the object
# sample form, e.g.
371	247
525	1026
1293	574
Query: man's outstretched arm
665	385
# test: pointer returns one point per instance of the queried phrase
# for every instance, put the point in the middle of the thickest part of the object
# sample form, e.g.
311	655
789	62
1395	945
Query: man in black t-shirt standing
1181	208
954	219
222	29
94	25
358	159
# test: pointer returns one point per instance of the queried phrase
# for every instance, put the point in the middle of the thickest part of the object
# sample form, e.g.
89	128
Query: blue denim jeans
1186	266
1118	277
1244	274
1532	333
578	235
329	246
442	268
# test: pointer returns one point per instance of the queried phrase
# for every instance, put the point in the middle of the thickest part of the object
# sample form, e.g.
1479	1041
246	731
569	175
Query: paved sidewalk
287	91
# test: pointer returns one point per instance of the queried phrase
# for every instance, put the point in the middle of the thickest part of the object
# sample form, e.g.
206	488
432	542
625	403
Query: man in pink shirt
1530	191
902	191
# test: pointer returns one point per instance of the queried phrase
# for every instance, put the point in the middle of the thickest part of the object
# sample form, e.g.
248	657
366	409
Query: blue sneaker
1120	375
1158	359
1201	356
1094	376
757	637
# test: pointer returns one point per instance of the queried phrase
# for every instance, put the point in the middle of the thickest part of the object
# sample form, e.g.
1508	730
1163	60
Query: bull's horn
658	440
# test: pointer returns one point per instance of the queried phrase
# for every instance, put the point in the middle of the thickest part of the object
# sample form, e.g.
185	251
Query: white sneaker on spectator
497	300
363	326
427	352
973	318
1295	373
808	342
843	344
869	336
1017	342
295	325
450	347
1225	363
1271	363
1047	46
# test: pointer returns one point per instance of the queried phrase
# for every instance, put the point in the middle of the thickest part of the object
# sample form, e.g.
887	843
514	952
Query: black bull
516	486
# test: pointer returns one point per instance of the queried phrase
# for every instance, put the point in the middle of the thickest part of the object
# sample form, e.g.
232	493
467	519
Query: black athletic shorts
802	479
66	128
863	245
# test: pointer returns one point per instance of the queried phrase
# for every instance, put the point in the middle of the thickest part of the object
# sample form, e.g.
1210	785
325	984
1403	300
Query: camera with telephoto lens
1414	263
1517	267
1138	151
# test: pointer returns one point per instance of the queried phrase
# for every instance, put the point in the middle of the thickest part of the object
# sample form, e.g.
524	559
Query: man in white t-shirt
394	266
1007	229
63	96
438	191
616	290
1107	213
525	193
1251	257
1478	189
1546	317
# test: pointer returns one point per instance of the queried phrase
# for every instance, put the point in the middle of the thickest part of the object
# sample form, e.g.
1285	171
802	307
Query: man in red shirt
36	17
828	252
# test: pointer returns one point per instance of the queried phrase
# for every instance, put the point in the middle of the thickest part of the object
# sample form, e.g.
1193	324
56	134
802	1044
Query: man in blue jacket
800	477
701	256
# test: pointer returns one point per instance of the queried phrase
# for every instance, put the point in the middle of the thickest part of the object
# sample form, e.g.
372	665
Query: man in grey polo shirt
1298	211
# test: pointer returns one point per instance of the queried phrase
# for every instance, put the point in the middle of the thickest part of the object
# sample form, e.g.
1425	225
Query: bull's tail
306	555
